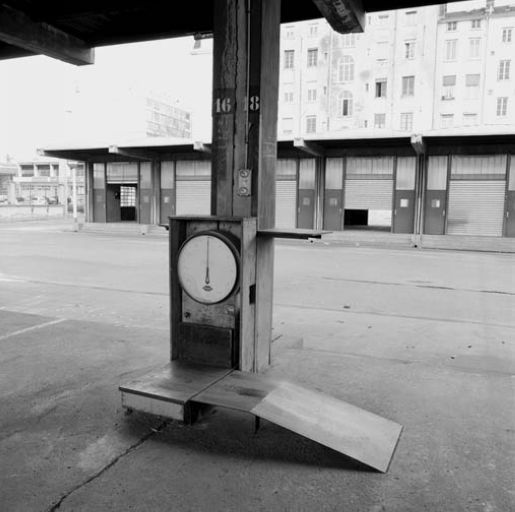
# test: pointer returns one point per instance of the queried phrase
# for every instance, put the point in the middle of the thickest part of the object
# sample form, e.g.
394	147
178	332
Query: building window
312	95
379	120
311	124
288	97
452	26
27	171
447	120
408	85
346	109
506	34
448	83
290	32
502	106
312	57
411	18
43	170
287	125
450	49
346	69
472	86
127	196
313	30
503	72
382	19
289	57
381	88
476	24
407	121
348	40
470	119
474	47
409	50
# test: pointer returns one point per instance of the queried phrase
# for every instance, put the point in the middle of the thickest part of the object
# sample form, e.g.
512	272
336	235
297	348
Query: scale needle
207	288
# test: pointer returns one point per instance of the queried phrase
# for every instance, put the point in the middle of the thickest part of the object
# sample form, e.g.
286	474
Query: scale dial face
208	266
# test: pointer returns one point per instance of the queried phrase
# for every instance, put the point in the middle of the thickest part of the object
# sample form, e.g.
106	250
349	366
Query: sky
38	94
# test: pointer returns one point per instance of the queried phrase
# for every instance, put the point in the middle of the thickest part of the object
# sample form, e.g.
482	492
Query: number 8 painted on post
254	103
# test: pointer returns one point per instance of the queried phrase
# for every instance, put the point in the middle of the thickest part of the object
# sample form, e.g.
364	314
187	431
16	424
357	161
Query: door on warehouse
436	195
333	194
510	200
306	194
404	207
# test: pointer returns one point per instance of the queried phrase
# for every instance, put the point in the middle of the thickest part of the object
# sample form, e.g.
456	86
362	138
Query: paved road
424	337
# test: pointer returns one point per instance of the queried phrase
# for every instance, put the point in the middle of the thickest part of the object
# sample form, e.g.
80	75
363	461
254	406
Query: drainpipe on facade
419	146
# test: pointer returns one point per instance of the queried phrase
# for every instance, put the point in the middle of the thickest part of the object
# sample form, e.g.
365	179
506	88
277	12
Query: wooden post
245	96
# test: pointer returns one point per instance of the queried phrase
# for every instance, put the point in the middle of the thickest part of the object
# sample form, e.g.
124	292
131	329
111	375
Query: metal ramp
359	434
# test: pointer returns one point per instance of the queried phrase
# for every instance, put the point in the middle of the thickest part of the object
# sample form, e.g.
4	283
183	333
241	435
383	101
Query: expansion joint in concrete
57	505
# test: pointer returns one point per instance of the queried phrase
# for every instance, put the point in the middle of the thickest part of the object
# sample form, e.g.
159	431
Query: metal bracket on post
244	182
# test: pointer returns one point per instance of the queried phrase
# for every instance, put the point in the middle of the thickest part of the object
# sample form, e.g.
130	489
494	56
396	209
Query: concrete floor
425	338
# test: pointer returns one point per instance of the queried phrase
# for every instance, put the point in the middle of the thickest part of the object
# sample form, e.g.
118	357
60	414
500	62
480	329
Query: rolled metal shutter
476	207
363	194
193	197
285	203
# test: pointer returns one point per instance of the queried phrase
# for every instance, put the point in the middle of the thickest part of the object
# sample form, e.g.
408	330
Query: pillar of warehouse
245	97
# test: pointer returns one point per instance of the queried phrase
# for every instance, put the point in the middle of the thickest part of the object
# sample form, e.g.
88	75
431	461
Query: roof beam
200	146
131	153
18	29
311	148
344	16
418	144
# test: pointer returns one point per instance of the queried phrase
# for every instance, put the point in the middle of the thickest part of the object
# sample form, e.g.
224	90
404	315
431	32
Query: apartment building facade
411	70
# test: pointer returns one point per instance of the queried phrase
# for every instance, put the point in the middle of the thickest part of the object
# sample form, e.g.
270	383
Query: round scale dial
208	267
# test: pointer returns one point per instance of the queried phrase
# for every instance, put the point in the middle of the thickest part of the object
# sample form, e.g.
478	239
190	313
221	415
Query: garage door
193	187
285	203
368	194
286	193
476	207
193	197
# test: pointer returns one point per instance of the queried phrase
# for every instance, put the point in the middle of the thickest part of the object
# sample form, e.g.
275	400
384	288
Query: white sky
36	92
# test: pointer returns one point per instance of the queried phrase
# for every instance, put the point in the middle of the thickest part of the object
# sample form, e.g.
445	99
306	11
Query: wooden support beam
245	98
131	153
18	29
311	148
344	16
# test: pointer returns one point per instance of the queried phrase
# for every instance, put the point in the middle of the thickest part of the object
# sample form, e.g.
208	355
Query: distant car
52	200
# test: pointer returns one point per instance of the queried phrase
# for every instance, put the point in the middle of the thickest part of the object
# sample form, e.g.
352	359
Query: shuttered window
478	167
363	167
122	172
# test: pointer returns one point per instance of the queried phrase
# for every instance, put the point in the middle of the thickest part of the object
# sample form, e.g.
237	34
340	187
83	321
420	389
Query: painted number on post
254	103
223	105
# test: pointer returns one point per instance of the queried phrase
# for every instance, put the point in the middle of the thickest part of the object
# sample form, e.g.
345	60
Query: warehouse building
435	184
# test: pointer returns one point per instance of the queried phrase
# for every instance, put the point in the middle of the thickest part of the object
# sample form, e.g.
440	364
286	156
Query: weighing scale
221	266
